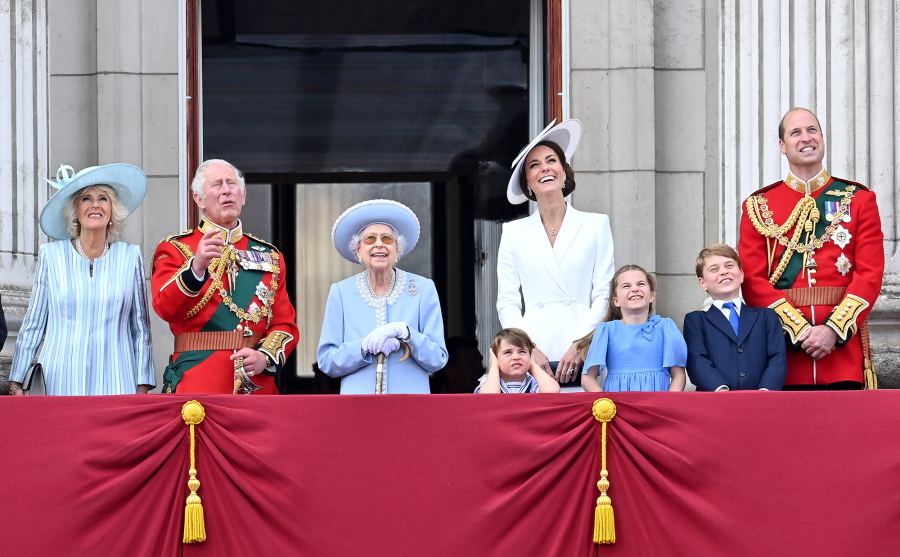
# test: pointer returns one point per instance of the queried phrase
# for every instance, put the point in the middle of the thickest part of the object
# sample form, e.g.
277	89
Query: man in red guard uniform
222	291
813	250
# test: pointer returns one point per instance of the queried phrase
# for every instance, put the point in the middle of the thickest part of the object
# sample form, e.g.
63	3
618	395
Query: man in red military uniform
813	250
222	291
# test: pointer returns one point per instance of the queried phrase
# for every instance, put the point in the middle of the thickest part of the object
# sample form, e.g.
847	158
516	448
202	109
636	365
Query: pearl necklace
389	289
80	251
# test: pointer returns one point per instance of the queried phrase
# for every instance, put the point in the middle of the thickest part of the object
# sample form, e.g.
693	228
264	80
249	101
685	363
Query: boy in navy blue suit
732	346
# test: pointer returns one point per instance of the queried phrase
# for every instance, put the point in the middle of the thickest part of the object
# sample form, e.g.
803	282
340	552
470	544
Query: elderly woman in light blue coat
381	314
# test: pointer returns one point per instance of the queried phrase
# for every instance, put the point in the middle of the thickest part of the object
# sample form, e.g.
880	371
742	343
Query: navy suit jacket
716	356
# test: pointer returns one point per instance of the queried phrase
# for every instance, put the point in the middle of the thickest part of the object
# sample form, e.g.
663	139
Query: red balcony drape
708	474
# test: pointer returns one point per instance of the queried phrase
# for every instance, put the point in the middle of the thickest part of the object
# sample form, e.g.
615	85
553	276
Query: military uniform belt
214	340
815	296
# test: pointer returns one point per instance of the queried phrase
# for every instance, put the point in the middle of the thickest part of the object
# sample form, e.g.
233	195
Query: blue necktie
732	316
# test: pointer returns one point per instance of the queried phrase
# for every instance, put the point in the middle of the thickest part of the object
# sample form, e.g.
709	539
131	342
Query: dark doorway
385	92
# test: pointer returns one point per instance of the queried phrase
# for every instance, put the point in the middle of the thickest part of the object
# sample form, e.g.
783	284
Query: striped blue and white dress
95	329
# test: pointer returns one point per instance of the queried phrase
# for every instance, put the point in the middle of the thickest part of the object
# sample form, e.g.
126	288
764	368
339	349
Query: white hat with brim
128	181
375	211
566	134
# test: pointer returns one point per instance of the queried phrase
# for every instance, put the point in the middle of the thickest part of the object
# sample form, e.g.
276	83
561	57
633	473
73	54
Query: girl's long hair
612	311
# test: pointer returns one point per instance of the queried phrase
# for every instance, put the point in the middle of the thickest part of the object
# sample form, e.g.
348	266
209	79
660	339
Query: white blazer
565	286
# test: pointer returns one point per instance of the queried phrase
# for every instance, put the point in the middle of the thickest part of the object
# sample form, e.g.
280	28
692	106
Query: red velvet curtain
717	474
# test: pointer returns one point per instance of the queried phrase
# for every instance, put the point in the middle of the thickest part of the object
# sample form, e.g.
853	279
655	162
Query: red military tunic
831	273
257	302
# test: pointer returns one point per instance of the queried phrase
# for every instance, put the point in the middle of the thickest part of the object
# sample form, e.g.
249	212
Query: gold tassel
194	527
869	375
604	411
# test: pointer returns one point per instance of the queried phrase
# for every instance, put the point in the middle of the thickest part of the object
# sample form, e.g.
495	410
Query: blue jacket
716	356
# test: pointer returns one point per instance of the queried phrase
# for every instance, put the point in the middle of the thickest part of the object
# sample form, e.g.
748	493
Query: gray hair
116	216
197	182
356	239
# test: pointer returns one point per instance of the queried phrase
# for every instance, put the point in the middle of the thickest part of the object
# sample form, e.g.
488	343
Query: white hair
356	239
197	182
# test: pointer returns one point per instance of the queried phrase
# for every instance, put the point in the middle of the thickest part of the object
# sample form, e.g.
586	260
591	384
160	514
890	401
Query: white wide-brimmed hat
566	134
375	211
128	181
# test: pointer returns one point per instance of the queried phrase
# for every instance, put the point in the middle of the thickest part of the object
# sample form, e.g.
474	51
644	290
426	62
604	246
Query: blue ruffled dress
637	357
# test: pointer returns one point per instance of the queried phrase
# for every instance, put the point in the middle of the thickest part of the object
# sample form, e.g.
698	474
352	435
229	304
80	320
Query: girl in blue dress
639	350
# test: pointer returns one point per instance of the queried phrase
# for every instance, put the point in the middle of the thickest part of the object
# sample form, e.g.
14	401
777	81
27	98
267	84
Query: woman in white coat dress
560	258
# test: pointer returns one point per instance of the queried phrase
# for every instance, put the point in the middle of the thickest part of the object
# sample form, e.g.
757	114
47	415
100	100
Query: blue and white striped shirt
527	385
95	329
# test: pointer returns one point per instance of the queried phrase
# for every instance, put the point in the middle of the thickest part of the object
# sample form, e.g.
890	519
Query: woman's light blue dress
95	329
637	357
351	313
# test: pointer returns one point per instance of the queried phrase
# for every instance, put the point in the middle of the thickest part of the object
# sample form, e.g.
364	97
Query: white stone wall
839	59
23	154
681	102
680	99
102	76
639	84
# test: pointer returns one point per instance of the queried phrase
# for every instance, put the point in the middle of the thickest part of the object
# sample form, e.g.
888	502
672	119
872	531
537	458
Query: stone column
837	58
23	155
612	92
121	59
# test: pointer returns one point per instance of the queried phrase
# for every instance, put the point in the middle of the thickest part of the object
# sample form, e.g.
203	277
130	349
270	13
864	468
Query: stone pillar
115	64
639	83
23	155
104	75
612	92
837	58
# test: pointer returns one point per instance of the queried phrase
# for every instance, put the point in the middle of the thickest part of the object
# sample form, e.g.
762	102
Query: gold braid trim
274	344
843	319
793	322
216	268
183	248
805	215
868	366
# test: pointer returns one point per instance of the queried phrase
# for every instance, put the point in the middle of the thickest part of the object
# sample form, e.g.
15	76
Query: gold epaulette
852	183
843	318
274	345
181	234
261	241
793	321
182	247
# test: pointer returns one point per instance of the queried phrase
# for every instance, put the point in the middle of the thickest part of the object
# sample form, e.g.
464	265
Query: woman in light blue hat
383	331
88	305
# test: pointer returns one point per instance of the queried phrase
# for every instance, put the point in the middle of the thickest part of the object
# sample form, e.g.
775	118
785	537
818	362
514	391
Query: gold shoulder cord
805	212
216	267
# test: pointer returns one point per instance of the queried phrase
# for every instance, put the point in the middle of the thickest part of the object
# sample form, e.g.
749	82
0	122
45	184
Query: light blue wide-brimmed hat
128	181
374	211
566	134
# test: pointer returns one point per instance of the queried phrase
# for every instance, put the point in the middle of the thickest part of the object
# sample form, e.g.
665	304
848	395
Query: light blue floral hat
374	211
128	181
